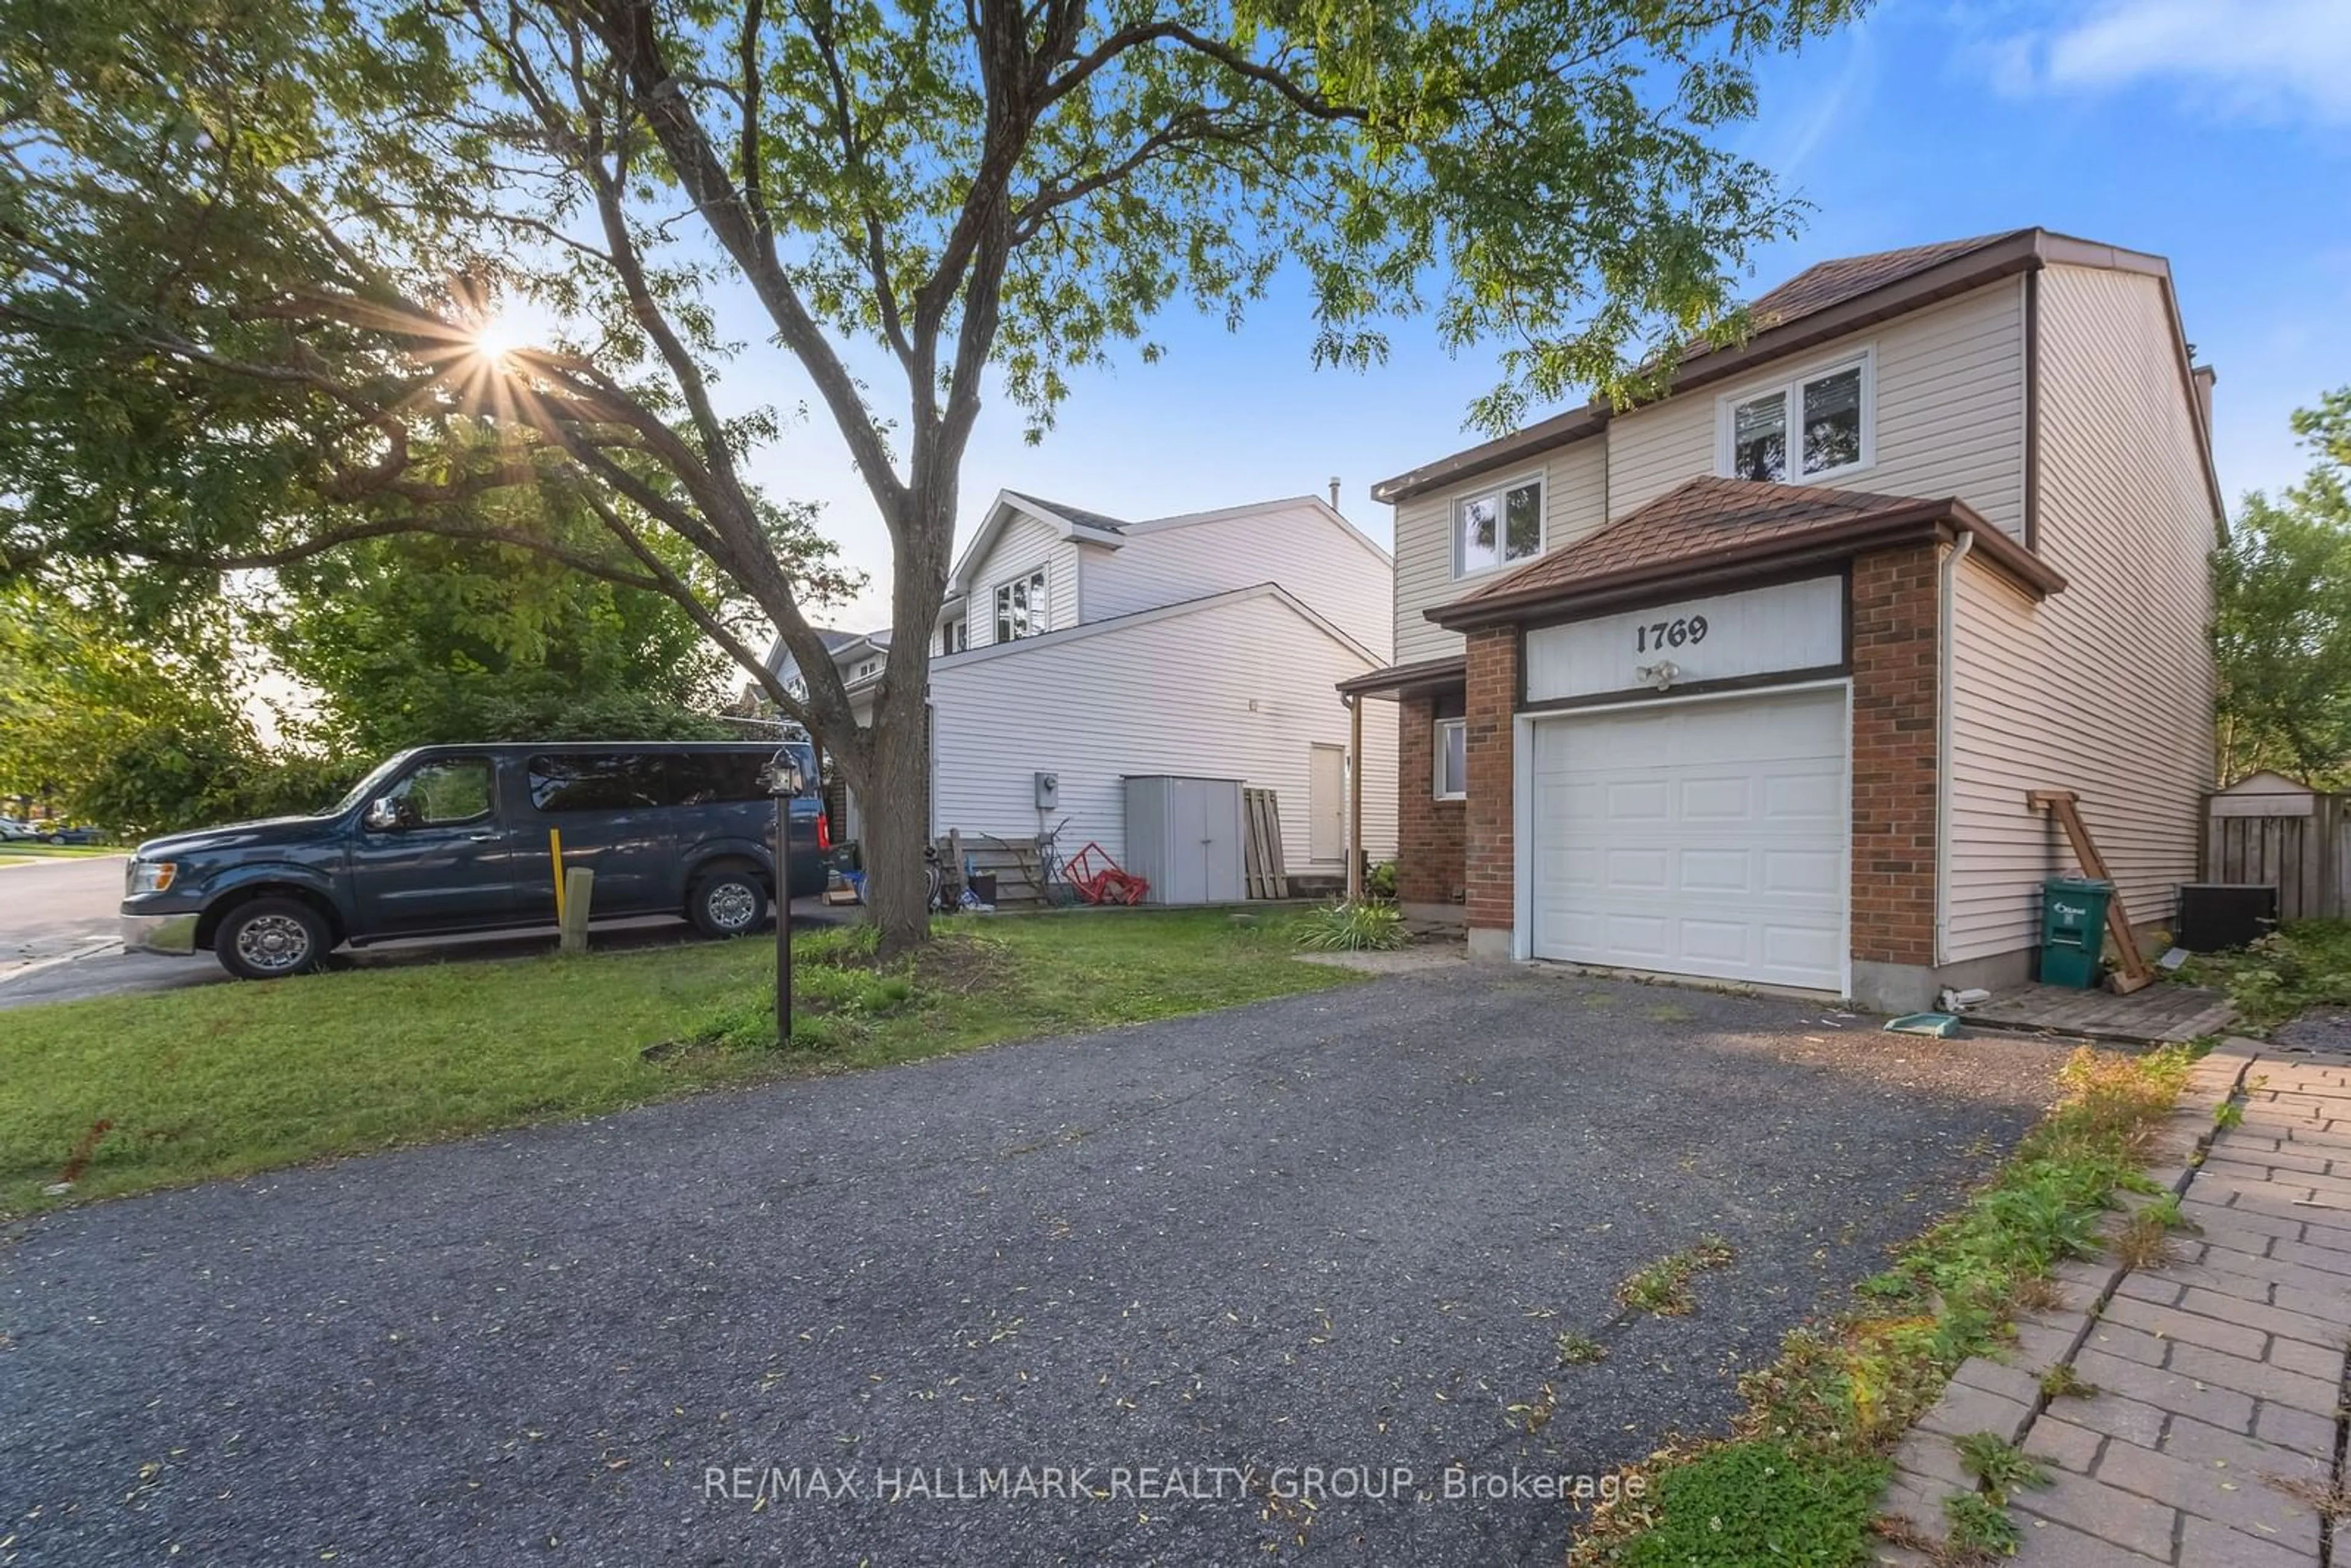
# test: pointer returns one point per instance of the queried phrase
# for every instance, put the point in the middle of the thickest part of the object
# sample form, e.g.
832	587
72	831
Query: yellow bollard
555	854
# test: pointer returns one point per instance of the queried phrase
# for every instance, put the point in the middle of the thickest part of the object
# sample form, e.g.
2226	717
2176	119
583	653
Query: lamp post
788	781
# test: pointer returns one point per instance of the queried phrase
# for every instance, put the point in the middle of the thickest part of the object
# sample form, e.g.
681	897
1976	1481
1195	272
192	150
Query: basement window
1832	413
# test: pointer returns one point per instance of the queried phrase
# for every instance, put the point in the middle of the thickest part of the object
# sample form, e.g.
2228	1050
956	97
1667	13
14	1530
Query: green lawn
228	1080
29	850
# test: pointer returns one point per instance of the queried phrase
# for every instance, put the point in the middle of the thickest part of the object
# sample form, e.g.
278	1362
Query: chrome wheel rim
274	943
731	906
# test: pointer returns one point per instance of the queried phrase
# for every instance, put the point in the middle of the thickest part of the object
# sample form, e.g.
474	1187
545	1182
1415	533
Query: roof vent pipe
1334	492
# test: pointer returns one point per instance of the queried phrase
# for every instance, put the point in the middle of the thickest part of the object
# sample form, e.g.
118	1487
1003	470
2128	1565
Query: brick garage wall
1491	695
1428	831
1894	762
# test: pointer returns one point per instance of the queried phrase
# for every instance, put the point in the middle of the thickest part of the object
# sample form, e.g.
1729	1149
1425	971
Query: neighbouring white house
1093	650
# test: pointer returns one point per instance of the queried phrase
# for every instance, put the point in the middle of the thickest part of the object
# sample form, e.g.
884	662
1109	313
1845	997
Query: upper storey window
1497	526
1815	427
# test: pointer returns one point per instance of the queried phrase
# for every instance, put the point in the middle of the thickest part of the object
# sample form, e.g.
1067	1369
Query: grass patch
181	1086
1370	927
1821	1419
2298	966
1754	1502
1663	1288
1581	1350
28	850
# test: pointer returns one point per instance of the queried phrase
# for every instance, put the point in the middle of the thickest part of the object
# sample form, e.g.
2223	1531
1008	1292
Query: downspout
1946	663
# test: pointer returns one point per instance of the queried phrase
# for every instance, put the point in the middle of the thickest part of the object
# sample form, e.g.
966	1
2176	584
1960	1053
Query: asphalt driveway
1340	1231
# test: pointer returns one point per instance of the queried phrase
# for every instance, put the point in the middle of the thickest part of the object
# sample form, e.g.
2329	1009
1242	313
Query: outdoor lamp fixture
787	780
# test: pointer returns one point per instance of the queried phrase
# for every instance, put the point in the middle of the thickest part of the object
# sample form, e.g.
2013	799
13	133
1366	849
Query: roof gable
1829	300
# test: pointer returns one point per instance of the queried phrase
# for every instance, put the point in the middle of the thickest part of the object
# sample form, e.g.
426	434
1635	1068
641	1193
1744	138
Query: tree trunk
895	798
896	791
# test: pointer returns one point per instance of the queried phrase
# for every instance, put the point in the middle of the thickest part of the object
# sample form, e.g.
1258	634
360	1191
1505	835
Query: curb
91	949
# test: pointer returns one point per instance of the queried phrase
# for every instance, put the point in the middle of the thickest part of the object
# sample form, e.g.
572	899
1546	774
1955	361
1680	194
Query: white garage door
1700	838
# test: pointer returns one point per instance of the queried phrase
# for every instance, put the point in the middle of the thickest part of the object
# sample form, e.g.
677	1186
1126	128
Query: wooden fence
2295	843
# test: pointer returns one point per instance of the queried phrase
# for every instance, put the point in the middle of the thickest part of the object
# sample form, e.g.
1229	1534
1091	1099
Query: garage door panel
1810	797
1638	800
1701	838
1638	870
1716	941
1717	800
1643	936
1820	873
1730	871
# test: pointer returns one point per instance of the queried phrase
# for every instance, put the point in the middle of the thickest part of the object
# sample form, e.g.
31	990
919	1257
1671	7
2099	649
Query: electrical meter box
1049	791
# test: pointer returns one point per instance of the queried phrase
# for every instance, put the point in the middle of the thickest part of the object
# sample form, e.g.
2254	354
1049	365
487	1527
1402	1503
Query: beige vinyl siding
1575	479
1949	395
1101	706
2106	688
1026	544
1333	570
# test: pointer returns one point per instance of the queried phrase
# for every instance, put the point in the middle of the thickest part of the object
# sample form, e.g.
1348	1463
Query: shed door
1700	838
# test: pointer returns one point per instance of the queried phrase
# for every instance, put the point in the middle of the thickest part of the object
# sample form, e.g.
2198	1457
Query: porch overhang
1408	680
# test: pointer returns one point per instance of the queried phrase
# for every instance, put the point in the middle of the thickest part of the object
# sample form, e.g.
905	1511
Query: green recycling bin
2073	930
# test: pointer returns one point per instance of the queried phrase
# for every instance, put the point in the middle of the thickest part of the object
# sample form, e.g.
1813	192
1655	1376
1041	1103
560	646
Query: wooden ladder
2066	808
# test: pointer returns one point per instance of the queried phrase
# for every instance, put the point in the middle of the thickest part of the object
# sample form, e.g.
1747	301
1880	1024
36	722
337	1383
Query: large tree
2281	617
251	255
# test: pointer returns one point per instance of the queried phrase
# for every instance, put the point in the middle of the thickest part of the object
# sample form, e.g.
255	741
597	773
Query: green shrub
1382	883
1343	927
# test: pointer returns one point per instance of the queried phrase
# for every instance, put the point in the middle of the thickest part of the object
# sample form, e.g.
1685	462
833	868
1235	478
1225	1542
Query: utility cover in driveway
1694	838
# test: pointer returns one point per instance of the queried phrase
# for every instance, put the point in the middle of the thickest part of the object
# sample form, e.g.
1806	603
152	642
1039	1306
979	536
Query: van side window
708	777
452	789
596	781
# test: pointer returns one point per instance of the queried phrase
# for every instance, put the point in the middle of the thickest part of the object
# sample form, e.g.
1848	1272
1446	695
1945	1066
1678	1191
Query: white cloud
2282	59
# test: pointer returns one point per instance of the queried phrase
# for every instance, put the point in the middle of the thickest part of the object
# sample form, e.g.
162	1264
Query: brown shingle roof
1816	303
1708	526
1832	283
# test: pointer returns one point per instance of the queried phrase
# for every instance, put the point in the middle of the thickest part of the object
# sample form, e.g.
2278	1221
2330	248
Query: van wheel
271	938
727	902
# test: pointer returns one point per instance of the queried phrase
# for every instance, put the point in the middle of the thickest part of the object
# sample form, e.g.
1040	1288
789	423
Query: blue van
447	839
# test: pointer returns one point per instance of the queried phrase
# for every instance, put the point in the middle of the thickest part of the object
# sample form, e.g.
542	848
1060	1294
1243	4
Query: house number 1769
1668	633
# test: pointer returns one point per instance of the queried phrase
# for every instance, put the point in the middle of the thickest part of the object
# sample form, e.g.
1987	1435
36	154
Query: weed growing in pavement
1580	1350
1663	1288
1999	1466
2061	1382
1981	1531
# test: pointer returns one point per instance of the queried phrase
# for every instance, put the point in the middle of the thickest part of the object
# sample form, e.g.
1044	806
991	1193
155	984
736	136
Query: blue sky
2214	133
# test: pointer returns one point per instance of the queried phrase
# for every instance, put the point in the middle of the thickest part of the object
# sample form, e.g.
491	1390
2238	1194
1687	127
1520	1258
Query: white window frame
1726	416
1040	602
1436	789
1499	495
867	668
955	637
